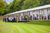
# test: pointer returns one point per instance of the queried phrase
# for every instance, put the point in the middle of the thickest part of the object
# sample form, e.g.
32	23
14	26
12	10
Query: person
10	19
30	18
5	19
14	19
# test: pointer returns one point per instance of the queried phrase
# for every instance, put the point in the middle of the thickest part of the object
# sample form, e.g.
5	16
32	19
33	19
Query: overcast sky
8	1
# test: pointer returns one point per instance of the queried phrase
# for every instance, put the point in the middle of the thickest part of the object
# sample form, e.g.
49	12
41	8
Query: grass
6	27
41	22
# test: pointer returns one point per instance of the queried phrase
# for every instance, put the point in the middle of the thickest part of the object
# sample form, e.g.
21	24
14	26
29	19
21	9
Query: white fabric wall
49	11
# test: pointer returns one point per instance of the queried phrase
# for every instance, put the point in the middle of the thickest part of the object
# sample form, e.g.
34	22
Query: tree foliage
2	7
30	4
20	5
16	5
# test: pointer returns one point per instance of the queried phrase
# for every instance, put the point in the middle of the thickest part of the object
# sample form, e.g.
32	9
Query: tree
16	5
2	7
44	2
47	1
30	4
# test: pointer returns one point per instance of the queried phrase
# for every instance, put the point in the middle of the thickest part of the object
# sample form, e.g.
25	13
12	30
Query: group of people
14	19
9	19
40	17
26	18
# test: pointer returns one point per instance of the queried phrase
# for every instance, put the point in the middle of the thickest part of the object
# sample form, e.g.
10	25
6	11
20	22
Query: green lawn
6	27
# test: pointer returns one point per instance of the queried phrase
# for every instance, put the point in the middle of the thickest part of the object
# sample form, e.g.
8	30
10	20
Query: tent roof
36	8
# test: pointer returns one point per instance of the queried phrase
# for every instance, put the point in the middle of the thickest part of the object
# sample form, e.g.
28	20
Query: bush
41	22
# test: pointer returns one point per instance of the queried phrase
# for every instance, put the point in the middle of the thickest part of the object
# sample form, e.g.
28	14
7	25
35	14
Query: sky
8	1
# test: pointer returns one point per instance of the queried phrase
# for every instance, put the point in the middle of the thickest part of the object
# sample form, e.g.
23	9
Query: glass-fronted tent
37	13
